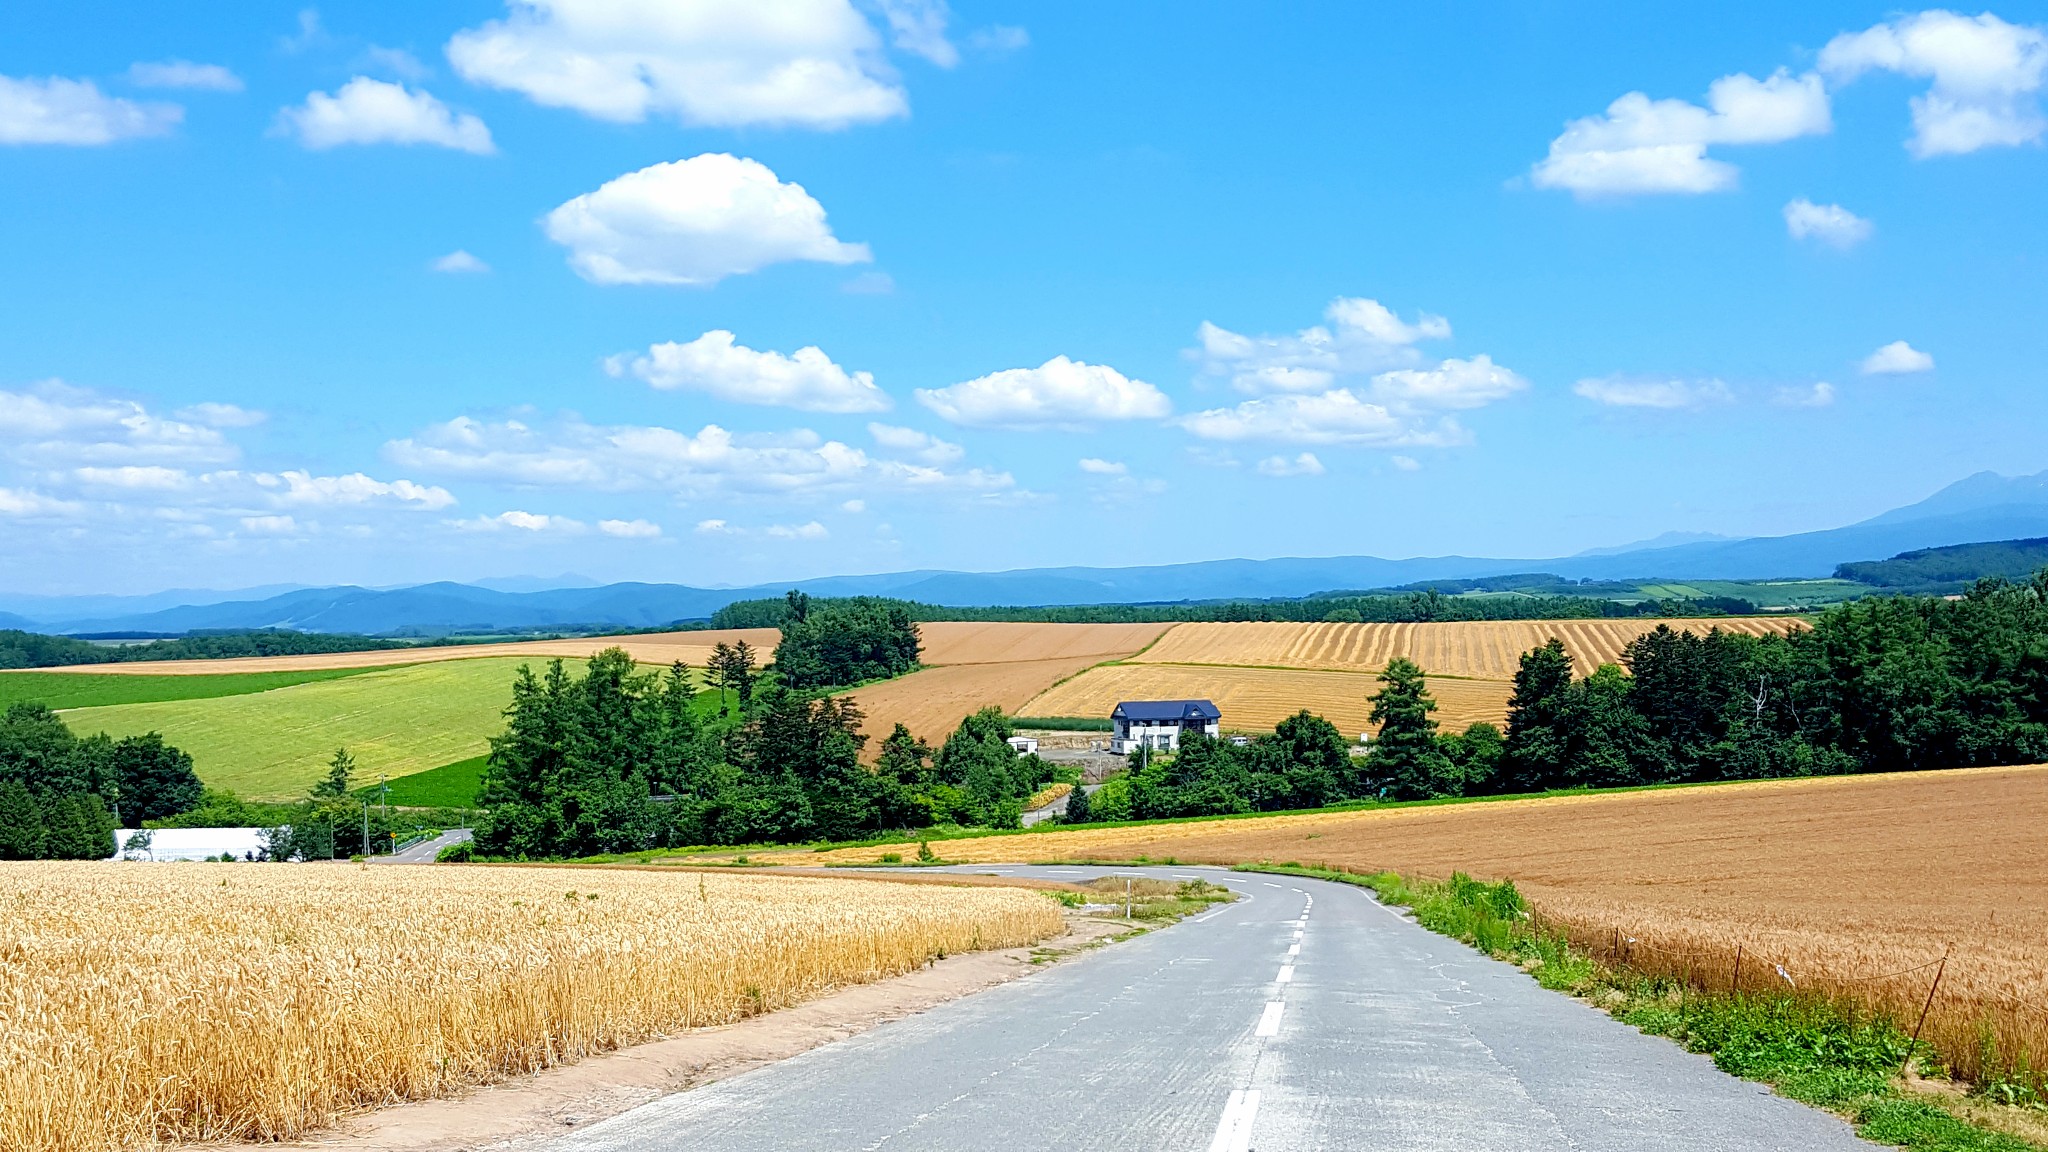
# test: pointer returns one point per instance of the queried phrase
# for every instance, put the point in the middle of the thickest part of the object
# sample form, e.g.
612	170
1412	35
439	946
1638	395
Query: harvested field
995	643
932	702
1842	881
1483	649
662	648
159	1003
1258	698
970	666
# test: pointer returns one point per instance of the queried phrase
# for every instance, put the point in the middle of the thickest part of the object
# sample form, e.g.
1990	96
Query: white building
190	843
1158	724
1025	745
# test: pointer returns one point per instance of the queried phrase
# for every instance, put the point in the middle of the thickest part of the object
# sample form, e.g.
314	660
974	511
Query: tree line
619	760
1362	608
20	649
61	797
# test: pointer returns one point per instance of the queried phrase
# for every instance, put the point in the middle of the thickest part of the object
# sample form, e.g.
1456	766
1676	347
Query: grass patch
99	689
1153	900
449	786
1810	1050
1062	724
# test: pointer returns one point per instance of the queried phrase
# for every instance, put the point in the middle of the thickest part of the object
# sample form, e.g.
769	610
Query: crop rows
1258	698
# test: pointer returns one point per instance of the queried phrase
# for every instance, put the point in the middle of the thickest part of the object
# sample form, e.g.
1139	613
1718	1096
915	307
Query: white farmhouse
1158	724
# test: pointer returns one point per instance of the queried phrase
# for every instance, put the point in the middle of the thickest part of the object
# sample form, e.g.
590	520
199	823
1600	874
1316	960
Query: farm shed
1158	724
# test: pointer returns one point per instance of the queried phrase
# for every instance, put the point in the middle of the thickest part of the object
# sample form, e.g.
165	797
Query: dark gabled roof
1167	710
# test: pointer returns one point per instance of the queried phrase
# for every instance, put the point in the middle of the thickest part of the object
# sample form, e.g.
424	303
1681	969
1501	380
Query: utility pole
384	793
366	827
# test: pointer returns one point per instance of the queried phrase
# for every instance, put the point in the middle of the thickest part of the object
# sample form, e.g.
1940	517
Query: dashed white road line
1269	1023
1286	974
1269	883
1234	1130
1294	949
1297	933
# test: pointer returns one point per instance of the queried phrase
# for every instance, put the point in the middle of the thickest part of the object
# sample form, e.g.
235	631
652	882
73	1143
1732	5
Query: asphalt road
1306	1016
425	851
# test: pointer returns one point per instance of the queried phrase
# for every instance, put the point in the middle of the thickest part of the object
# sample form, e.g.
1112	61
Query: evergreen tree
77	827
21	823
155	780
1077	807
1405	754
335	784
1537	737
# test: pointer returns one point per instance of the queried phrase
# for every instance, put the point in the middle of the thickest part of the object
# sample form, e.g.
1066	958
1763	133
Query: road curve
1305	1016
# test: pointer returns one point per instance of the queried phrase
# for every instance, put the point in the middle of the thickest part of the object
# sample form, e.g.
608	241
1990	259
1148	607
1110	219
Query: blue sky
392	293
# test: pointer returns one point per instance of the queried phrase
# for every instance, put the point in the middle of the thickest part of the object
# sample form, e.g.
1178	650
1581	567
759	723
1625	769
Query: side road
1304	1016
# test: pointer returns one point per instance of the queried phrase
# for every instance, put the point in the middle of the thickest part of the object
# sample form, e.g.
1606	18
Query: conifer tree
1405	754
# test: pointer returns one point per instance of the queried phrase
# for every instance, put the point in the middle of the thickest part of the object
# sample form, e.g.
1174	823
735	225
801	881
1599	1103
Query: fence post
1931	989
1735	981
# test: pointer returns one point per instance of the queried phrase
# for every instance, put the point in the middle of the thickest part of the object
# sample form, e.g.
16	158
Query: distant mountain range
1982	507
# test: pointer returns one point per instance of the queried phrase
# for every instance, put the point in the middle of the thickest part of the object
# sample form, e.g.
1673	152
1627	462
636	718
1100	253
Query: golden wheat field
1484	649
1842	881
1261	672
1259	698
654	649
142	1004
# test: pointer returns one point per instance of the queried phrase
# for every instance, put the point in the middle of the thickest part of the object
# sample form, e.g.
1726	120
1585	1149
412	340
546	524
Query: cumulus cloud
1098	467
919	28
1818	395
1060	393
58	424
367	111
810	531
1304	464
459	263
1640	145
713	363
24	504
714	527
921	446
1897	358
694	221
1828	223
1405	463
1985	74
1652	392
519	521
711	461
630	529
854	506
1362	335
1339	416
55	110
726	63
216	415
183	74
270	525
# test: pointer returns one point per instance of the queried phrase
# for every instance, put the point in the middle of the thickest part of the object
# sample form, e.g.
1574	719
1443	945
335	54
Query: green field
449	786
97	689
273	745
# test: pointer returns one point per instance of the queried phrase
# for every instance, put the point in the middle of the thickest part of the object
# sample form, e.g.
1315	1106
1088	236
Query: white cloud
354	488
367	111
1472	383
630	529
24	504
1362	336
1640	145
459	263
1828	223
1339	416
183	74
1819	395
1097	467
519	521
215	415
714	527
854	506
712	461
396	61
998	39
810	531
59	111
919	28
1652	392
58	424
1406	463
1897	358
1305	464
269	525
870	284
1060	393
1985	74
806	380
922	446
811	63
694	221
